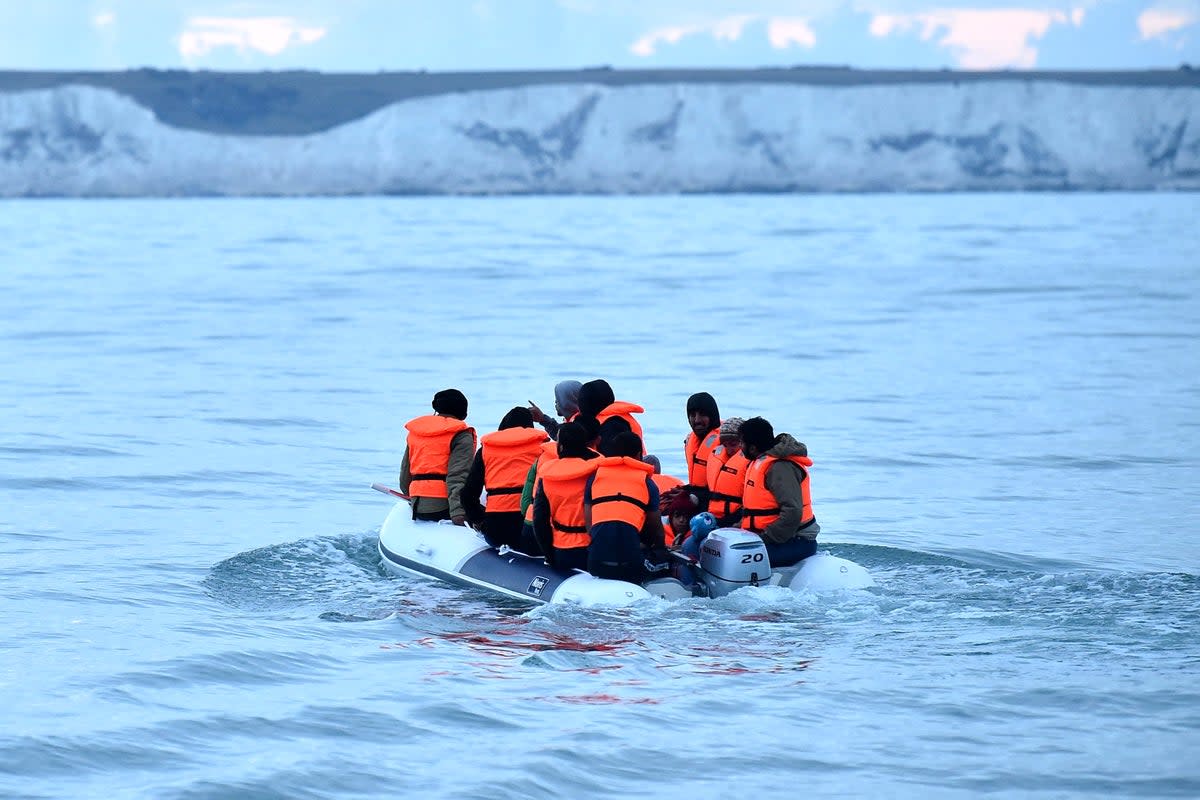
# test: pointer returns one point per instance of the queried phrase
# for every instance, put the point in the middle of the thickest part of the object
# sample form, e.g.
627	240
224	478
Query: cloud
782	32
980	38
1156	23
104	19
269	35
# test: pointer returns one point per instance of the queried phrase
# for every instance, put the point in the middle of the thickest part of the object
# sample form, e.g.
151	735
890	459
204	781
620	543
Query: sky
450	35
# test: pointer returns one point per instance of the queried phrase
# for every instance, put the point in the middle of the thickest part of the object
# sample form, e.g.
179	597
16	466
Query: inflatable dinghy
730	559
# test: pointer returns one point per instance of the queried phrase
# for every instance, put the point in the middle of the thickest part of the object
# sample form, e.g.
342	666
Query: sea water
1000	393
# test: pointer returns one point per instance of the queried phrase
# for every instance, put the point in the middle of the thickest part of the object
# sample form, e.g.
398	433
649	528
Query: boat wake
341	579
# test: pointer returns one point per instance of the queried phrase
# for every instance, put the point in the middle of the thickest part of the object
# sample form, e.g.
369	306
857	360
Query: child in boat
679	513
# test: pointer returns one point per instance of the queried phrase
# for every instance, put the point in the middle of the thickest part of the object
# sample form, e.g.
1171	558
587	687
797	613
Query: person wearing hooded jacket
566	405
776	499
501	463
437	458
596	399
704	418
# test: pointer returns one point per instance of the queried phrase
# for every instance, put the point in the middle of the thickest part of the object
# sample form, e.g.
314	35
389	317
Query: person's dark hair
610	429
758	432
653	461
594	397
450	402
517	417
626	443
572	440
706	404
590	425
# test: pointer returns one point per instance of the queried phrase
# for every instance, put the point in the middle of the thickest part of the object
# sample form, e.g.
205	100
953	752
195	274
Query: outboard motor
731	558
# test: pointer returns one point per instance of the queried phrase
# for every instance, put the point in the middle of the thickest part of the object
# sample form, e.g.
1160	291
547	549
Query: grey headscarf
566	397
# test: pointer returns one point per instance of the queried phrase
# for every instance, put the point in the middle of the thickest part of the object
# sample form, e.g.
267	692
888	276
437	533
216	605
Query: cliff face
588	137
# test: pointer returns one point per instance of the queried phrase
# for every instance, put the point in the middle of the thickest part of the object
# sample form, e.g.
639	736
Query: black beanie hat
594	397
517	417
758	432
451	402
706	404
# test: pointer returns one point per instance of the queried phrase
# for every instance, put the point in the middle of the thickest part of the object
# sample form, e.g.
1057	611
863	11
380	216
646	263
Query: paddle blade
379	487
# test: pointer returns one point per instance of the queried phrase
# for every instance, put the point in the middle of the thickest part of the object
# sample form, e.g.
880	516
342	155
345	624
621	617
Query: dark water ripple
239	668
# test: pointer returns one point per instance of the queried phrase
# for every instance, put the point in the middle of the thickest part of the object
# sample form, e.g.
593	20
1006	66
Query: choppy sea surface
1001	395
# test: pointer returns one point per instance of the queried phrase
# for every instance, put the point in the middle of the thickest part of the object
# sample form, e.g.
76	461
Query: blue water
1000	394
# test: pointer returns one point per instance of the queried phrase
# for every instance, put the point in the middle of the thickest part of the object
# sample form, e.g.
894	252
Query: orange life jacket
665	482
760	508
726	481
548	453
619	491
625	411
563	481
507	457
696	453
429	439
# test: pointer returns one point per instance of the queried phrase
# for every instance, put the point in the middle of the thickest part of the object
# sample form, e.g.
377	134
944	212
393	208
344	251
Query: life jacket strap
750	514
617	498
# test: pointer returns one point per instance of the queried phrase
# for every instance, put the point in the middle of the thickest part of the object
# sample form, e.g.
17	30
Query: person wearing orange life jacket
776	500
705	421
437	458
679	512
566	405
596	399
529	542
704	418
727	475
620	506
500	466
558	521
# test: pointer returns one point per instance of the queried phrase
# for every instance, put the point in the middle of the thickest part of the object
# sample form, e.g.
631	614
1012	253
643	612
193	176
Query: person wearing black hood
705	420
596	399
776	500
500	466
437	458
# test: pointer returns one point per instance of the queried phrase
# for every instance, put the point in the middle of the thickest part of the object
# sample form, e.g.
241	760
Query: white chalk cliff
588	138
